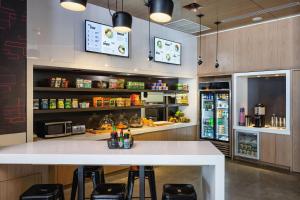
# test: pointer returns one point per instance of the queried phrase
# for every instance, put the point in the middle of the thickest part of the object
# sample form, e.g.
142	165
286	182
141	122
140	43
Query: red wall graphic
12	66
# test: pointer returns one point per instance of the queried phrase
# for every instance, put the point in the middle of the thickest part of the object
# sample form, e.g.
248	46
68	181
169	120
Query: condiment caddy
120	140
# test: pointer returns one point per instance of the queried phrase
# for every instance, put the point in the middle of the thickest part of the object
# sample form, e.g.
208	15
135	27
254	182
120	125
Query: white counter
155	153
134	131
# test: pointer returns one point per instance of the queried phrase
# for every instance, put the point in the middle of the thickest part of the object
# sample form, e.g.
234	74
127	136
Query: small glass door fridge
215	111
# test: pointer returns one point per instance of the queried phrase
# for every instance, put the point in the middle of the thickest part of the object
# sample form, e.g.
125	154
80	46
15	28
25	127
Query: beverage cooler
247	144
215	107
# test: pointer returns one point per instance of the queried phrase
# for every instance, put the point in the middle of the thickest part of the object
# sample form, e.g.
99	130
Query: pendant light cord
109	8
149	33
200	35
217	48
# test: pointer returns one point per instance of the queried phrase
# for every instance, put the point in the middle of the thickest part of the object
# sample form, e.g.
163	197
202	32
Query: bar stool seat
179	192
133	174
95	173
110	191
44	192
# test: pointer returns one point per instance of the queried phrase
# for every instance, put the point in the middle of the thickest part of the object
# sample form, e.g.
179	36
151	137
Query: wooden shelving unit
50	89
92	109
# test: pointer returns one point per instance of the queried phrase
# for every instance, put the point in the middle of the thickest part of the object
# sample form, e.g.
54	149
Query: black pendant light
161	10
150	56
217	44
200	60
122	21
74	5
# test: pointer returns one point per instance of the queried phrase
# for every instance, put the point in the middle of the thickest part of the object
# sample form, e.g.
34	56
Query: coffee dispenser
259	115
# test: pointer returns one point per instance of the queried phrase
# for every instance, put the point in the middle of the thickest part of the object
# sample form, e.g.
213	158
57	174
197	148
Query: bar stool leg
81	192
152	186
74	185
142	182
96	179
130	185
102	178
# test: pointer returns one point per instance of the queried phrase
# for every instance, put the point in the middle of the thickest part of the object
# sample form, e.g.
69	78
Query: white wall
56	38
58	35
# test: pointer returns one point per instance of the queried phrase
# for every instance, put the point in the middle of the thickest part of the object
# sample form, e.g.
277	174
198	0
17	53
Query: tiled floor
243	182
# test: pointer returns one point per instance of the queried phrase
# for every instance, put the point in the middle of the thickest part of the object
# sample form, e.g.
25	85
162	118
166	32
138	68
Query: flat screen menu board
167	51
101	38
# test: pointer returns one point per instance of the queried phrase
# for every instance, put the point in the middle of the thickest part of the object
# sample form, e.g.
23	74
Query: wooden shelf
49	89
92	109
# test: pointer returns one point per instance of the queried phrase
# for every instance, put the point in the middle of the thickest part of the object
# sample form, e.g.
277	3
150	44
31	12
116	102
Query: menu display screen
167	51
101	38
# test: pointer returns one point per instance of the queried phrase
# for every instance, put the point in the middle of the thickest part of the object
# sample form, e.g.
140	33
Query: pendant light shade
122	21
74	5
161	10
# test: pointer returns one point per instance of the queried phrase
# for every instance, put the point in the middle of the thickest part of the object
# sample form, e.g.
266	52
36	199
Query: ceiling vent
261	12
186	26
192	7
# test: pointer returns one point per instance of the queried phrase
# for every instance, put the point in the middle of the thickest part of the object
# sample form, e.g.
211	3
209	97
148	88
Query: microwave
53	129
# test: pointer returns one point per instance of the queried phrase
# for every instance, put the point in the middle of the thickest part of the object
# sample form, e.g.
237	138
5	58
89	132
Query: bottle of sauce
121	139
126	141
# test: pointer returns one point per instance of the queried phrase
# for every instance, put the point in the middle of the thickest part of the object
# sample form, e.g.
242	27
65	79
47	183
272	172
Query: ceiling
215	10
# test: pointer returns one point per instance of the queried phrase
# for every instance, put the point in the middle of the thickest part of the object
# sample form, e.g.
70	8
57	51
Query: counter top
51	152
134	131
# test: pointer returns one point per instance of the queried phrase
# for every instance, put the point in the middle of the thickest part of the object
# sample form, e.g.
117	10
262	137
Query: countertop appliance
53	129
78	129
259	115
215	111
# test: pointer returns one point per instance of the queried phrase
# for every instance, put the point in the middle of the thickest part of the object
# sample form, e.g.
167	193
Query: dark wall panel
12	66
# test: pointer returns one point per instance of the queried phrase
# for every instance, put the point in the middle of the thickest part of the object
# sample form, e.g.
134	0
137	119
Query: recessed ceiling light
193	7
257	19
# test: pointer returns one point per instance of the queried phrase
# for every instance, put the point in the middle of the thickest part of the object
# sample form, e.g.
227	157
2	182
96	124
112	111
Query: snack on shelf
98	102
127	102
135	100
182	99
52	103
100	84
112	102
36	104
120	102
75	103
60	103
120	83
131	85
113	83
68	103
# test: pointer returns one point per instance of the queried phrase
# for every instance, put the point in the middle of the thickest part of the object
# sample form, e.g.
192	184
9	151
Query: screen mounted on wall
167	51
100	38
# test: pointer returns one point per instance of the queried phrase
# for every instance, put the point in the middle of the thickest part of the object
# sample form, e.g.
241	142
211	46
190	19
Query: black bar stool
95	173
179	192
44	192
110	191
133	174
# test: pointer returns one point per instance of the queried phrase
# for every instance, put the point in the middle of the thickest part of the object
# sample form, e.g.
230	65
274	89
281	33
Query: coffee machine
259	115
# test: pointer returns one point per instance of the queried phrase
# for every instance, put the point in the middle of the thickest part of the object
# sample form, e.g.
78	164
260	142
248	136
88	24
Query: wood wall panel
15	179
267	46
255	48
267	147
283	150
225	55
295	121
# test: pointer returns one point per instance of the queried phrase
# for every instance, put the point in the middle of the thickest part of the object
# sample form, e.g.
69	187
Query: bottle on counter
242	117
121	139
126	141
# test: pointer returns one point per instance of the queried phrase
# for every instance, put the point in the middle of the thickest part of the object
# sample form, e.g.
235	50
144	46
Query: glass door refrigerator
215	105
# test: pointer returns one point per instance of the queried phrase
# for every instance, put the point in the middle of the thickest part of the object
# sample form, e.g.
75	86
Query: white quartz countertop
134	131
69	152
